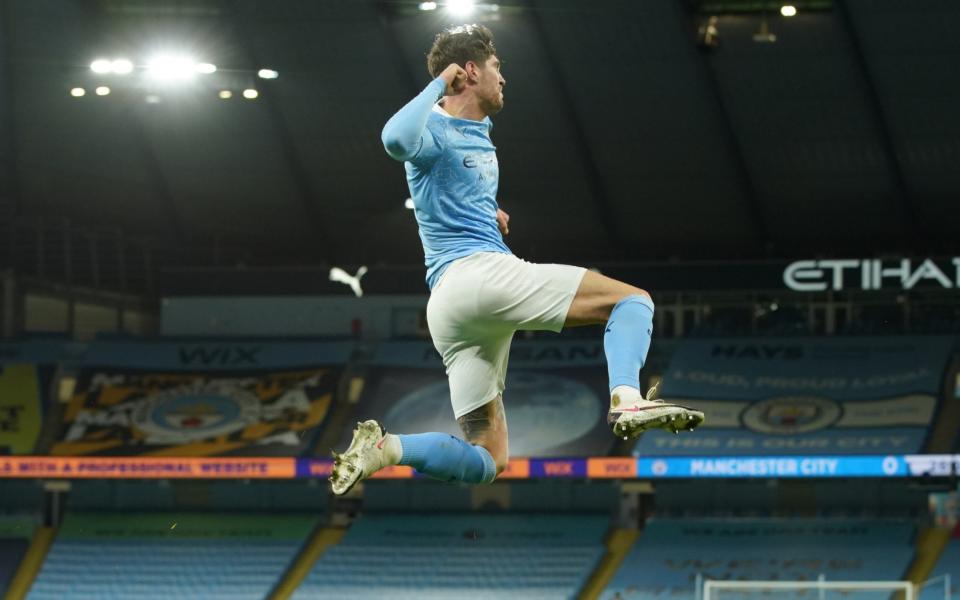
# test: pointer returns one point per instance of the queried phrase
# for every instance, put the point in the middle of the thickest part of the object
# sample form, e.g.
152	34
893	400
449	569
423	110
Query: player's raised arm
403	135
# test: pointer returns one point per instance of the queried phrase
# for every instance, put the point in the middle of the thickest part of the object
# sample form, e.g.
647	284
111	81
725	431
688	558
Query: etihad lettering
869	274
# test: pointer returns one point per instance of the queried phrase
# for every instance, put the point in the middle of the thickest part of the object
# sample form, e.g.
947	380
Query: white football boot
366	455
631	414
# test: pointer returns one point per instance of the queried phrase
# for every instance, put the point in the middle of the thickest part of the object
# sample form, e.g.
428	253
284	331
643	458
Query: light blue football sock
626	340
448	458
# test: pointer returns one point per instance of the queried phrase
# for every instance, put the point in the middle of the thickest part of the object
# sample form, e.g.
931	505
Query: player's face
490	86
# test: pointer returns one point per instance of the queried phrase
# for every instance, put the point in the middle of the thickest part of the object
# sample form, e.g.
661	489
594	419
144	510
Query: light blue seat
949	563
671	553
495	557
151	567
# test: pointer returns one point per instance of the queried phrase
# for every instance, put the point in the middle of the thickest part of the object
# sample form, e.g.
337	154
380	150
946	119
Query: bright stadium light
788	10
250	93
171	68
101	66
267	74
408	203
206	68
460	8
121	66
102	90
428	6
153	99
225	94
77	92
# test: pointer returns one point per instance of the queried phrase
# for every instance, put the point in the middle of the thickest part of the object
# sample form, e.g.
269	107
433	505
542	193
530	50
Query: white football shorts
478	304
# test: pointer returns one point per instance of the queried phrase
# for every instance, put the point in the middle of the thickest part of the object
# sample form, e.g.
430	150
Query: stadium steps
31	563
318	543
618	544
930	545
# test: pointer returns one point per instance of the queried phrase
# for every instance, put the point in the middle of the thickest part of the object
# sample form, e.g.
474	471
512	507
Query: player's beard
492	105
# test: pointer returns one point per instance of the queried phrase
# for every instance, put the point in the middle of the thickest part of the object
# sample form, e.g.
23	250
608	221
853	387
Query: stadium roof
624	136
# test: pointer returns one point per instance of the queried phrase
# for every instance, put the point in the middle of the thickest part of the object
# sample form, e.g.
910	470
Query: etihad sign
870	274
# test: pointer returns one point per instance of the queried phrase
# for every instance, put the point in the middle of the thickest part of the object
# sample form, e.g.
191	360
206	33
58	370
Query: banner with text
855	395
126	412
279	467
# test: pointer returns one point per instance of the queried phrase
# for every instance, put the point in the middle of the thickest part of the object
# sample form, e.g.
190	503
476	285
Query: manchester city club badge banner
792	396
132	412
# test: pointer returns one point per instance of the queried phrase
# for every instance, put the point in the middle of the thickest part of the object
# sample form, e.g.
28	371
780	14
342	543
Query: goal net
808	590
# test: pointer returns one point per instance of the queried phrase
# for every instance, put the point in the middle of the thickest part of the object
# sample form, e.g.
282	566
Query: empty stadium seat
110	557
671	553
949	564
433	557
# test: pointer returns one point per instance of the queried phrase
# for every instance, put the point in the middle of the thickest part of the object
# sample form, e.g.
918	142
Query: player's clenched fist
456	79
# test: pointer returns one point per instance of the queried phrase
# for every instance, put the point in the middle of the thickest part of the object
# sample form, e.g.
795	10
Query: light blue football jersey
453	175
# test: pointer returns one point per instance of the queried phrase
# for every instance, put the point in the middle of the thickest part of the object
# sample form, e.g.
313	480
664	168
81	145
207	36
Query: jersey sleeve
406	136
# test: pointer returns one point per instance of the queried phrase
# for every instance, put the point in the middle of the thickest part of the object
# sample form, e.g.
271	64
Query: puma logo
340	276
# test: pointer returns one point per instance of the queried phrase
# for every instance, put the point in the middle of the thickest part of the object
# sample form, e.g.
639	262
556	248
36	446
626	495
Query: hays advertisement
555	397
153	413
787	396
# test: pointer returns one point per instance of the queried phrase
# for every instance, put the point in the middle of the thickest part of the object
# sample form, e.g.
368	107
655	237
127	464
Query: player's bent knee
499	454
636	292
501	463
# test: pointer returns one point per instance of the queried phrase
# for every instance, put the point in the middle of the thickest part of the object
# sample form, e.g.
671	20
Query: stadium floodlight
121	66
408	203
788	10
171	68
250	93
152	99
101	66
102	90
267	74
428	6
206	68
460	8
225	94
78	92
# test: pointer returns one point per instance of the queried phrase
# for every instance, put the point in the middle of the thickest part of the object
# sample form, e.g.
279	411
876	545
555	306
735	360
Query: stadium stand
11	551
15	533
671	553
432	557
949	564
169	555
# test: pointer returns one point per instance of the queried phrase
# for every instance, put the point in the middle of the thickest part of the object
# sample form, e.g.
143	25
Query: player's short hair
459	45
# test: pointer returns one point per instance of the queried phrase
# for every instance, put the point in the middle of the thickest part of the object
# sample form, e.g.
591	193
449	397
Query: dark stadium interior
205	283
624	138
